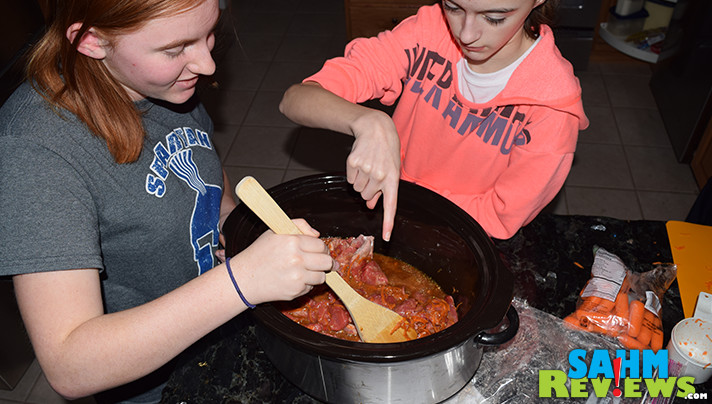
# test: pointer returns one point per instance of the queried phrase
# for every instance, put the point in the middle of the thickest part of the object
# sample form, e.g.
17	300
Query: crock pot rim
467	328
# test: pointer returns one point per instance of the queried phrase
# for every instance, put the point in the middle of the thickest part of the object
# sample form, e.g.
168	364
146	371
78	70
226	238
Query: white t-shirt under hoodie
482	87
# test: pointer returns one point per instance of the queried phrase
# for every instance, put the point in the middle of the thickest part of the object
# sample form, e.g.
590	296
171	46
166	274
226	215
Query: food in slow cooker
384	280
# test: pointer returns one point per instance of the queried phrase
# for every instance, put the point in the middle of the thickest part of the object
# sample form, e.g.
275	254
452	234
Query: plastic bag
509	373
623	304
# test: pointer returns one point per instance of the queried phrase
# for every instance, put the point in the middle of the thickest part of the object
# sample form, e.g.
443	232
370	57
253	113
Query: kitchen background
624	167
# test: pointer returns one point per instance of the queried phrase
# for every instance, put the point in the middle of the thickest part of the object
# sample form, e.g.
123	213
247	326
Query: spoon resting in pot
374	323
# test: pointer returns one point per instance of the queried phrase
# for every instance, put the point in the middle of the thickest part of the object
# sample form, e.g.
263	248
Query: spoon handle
259	201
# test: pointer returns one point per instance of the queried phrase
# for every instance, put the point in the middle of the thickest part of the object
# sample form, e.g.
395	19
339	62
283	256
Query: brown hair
544	14
83	85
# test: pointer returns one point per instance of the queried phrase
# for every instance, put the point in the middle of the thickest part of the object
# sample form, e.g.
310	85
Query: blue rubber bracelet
237	288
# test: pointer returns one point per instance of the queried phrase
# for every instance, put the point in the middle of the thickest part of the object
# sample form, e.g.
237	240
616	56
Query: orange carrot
589	303
646	331
596	304
617	325
614	331
625	285
593	327
656	342
586	324
592	317
573	322
621	309
606	305
635	319
630	342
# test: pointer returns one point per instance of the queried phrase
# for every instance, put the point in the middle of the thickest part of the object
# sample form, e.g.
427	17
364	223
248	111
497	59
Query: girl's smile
165	57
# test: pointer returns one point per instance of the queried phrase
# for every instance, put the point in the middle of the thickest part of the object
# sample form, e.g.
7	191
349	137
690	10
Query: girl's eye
175	52
449	6
494	21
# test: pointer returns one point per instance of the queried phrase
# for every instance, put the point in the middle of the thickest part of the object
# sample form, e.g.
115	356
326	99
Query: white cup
703	307
690	349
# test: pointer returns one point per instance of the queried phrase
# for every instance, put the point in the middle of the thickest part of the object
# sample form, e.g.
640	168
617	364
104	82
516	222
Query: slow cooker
431	233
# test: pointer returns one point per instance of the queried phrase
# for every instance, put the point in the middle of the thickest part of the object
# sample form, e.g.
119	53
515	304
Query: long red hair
83	85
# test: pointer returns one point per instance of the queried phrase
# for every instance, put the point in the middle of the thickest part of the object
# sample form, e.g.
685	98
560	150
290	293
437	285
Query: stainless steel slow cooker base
427	380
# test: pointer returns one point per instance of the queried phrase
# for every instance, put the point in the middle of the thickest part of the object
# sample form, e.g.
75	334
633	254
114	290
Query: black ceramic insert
430	232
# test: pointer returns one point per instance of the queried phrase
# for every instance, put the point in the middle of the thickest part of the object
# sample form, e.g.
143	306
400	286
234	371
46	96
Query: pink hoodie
501	161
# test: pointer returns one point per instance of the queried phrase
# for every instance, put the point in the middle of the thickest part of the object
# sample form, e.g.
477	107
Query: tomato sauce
384	280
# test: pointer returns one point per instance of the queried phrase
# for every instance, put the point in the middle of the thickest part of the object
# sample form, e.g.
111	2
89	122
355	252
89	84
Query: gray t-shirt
149	226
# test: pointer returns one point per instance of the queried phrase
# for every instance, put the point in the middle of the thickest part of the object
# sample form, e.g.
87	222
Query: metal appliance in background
681	83
574	30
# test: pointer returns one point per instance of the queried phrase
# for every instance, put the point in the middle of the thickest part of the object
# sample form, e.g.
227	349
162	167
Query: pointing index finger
390	201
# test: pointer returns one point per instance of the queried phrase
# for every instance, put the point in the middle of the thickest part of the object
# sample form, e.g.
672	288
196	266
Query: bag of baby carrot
603	303
621	303
645	326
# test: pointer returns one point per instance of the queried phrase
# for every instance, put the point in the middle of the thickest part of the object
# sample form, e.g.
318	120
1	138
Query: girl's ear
90	44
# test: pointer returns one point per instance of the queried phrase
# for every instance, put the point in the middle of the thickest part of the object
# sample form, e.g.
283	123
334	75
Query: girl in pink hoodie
488	110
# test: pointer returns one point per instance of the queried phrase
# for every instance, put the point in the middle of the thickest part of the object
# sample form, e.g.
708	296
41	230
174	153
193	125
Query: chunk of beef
355	258
339	317
408	307
372	274
350	250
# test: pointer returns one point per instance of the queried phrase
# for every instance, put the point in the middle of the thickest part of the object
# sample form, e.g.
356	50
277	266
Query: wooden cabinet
369	17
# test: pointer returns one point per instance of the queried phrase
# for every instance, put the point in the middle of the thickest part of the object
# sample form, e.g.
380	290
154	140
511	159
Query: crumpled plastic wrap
509	373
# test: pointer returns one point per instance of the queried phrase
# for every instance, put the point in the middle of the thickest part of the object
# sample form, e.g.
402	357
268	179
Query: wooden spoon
373	322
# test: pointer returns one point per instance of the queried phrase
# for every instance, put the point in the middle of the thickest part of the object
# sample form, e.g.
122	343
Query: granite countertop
551	259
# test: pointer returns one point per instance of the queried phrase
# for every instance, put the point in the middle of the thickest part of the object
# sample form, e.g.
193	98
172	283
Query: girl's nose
202	61
470	32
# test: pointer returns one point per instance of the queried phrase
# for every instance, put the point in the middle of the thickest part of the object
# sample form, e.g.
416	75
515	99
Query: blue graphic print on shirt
177	158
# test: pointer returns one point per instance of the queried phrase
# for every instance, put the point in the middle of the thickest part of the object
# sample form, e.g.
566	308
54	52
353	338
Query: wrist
367	120
235	284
